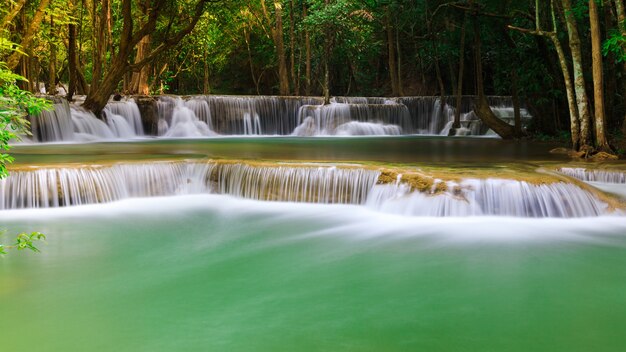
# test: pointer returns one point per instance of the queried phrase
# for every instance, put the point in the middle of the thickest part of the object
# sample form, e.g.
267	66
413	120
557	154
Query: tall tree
129	38
598	79
579	77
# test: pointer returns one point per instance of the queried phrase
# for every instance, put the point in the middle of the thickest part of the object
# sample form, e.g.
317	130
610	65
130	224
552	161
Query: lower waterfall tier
311	183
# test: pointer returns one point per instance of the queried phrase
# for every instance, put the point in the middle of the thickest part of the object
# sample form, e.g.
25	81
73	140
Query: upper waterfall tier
205	116
66	186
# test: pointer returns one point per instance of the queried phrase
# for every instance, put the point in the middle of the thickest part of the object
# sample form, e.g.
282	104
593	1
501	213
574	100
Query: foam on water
64	186
202	116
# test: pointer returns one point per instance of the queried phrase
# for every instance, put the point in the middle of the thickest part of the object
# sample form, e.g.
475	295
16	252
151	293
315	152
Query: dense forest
563	60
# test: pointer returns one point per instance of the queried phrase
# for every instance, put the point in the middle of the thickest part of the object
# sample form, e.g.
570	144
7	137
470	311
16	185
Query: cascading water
609	181
124	118
69	123
473	197
184	122
53	125
606	176
202	116
54	187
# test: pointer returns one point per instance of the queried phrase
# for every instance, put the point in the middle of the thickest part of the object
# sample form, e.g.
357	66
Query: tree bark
12	13
598	79
100	44
399	65
391	51
206	88
72	61
482	108
139	80
98	97
459	88
14	59
567	78
621	20
52	70
292	47
579	78
307	47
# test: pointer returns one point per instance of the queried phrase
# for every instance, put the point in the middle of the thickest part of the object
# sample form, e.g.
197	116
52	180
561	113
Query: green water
213	273
407	149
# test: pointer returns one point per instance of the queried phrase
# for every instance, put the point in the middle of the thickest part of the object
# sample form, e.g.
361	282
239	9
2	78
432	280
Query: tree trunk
72	61
12	13
14	59
307	46
621	20
391	51
579	78
399	56
516	105
277	36
139	80
482	108
459	88
100	44
598	79
99	95
292	47
206	88
52	69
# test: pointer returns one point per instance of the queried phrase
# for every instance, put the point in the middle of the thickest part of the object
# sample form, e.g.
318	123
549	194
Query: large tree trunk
459	88
482	108
206	87
99	57
99	95
598	79
52	69
391	54
139	80
11	14
621	20
579	78
26	41
277	37
399	57
292	47
307	47
72	60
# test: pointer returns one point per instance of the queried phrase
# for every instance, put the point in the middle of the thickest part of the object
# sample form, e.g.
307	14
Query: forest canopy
564	60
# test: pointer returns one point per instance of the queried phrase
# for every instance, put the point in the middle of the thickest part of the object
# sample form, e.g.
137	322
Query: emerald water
218	273
205	268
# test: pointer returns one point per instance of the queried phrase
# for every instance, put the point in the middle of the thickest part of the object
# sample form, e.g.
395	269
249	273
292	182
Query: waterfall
296	184
184	122
473	197
129	111
605	176
53	125
202	116
66	186
353	119
65	123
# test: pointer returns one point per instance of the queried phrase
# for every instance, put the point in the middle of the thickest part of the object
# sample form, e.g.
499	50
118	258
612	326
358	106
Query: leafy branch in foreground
24	241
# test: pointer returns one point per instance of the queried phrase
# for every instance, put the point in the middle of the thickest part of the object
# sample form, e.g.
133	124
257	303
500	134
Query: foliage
616	45
24	241
15	105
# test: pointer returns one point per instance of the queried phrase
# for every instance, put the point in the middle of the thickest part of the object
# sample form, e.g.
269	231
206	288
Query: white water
54	187
184	123
129	111
605	176
474	197
203	116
